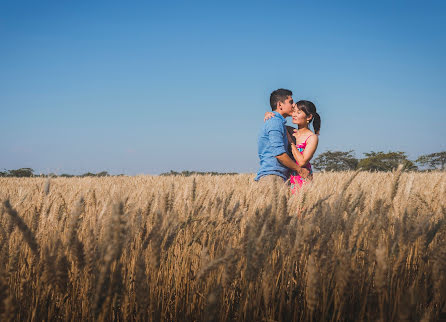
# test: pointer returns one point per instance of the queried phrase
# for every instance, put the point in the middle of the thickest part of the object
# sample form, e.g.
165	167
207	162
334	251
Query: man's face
286	106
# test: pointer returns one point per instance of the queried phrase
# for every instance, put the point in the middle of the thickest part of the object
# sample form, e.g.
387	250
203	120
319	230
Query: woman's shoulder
308	137
312	135
313	138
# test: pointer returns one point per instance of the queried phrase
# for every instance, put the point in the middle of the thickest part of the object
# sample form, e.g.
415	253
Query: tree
335	161
88	174
22	172
380	161
433	160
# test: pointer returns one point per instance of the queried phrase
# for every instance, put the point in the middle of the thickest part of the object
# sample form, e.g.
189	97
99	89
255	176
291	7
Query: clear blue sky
144	87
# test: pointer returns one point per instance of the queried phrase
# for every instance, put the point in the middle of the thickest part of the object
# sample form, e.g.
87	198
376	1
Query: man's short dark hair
279	95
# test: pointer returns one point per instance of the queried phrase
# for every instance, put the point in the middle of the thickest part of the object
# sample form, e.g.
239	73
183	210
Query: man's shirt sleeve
274	128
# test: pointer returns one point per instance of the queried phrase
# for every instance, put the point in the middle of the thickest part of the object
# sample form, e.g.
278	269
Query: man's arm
287	162
275	133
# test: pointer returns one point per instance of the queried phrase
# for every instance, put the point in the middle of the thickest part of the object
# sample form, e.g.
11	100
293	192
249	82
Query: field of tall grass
349	246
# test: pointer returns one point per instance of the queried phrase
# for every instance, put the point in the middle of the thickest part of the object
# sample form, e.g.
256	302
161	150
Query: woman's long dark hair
310	109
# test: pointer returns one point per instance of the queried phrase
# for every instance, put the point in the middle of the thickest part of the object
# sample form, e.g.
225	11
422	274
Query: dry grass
350	246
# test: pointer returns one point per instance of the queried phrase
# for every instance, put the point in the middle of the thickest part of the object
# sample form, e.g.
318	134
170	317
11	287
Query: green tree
335	161
88	174
66	175
380	161
22	172
433	160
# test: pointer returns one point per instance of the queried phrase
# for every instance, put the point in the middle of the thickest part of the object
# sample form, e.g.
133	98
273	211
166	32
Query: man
275	163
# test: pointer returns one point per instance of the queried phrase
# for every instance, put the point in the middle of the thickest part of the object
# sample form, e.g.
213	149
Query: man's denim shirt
272	141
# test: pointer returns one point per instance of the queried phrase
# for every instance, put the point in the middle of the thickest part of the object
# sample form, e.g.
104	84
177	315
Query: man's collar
279	115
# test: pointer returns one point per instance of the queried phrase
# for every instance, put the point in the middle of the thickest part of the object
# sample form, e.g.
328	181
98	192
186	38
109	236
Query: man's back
272	141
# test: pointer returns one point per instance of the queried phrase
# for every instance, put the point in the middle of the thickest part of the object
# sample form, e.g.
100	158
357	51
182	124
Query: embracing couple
284	151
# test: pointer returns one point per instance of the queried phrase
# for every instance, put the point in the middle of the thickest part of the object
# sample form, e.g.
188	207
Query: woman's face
299	117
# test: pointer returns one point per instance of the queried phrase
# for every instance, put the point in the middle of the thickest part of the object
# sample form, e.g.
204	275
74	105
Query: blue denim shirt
272	141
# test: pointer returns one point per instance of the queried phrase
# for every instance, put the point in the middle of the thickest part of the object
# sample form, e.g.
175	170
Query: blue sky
146	87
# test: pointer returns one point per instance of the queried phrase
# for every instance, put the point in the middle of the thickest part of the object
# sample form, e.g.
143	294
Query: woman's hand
268	115
296	154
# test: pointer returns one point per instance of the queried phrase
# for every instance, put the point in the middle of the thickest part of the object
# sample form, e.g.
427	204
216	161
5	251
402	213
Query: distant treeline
327	161
190	173
28	172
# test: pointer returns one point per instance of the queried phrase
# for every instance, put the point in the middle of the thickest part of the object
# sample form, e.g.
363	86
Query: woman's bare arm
303	158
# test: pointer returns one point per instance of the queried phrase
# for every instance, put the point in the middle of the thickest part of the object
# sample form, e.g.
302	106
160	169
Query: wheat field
348	246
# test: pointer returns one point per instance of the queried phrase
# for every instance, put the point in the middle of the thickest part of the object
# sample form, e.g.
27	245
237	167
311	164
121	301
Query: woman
306	141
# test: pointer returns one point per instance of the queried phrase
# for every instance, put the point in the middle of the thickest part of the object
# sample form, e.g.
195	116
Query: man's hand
289	163
286	161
